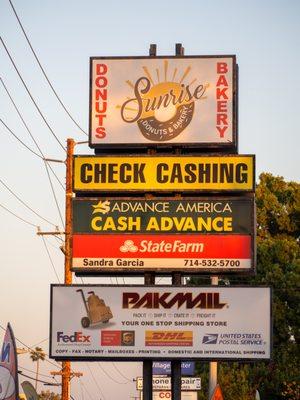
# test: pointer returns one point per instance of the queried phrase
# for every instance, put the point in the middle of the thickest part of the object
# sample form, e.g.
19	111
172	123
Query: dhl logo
169	338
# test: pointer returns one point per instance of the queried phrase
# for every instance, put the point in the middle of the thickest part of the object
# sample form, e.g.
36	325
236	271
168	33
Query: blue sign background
164	368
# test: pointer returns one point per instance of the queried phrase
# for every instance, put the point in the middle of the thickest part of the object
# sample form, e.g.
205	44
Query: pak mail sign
152	101
106	322
194	235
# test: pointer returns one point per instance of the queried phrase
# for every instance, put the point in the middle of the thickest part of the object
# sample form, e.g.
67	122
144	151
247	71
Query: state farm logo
168	338
149	246
76	337
162	106
129	246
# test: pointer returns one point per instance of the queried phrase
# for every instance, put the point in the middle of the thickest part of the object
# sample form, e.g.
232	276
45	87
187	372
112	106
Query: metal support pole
213	366
149	279
66	365
176	364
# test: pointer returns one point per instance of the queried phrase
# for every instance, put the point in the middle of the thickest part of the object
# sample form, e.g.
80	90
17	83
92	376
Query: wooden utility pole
66	365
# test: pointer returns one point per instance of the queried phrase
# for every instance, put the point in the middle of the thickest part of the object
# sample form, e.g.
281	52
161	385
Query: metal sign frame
209	332
212	145
82	238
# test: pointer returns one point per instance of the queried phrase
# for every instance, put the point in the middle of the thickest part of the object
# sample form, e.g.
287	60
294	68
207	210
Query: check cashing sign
133	235
234	173
152	101
160	322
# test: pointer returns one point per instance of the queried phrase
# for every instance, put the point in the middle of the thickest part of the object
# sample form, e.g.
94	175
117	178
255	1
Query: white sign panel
146	101
162	322
164	383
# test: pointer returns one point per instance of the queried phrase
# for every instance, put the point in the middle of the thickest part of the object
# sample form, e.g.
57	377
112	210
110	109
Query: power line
37	380
29	370
17	216
110	377
125	377
21	201
28	130
30	95
51	261
31	349
82	384
95	381
43	71
24	144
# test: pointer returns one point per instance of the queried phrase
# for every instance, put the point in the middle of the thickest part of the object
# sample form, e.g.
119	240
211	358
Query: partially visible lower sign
161	322
217	394
164	368
162	395
164	383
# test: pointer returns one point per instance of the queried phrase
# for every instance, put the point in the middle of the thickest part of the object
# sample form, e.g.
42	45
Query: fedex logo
77	337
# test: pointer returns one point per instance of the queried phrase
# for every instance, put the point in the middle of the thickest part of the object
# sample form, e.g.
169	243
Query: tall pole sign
165	192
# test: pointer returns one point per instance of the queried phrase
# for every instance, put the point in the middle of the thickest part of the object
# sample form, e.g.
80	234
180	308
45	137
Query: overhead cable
32	349
110	377
51	261
39	380
17	216
24	144
95	381
24	204
29	131
30	95
43	71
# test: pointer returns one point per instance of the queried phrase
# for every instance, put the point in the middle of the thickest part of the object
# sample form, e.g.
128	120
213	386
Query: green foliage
278	266
47	395
37	354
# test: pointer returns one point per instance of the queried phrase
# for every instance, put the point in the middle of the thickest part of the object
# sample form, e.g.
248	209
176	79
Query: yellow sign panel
172	173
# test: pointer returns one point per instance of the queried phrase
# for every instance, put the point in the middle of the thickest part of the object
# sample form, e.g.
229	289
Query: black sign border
215	146
77	359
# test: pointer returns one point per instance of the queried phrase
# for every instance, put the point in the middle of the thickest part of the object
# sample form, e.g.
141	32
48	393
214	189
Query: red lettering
101	69
100	94
221	92
222	68
222	81
221	106
100	132
101	81
100	110
222	118
100	119
221	130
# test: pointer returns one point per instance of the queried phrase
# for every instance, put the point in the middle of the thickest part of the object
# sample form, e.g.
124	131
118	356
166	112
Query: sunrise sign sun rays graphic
163	103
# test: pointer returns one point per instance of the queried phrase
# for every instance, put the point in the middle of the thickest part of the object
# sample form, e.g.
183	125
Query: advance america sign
134	235
146	101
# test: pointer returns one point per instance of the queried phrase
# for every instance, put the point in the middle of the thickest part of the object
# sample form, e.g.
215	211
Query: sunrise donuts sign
162	101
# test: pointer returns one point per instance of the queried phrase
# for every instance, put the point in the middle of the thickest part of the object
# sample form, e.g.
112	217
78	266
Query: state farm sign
132	235
144	101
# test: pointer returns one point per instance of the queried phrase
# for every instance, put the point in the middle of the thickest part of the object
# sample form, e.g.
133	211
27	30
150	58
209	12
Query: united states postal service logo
210	338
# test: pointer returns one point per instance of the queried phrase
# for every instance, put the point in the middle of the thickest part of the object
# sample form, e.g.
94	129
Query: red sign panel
193	253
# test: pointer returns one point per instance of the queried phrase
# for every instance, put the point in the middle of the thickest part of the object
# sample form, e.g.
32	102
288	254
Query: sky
263	34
